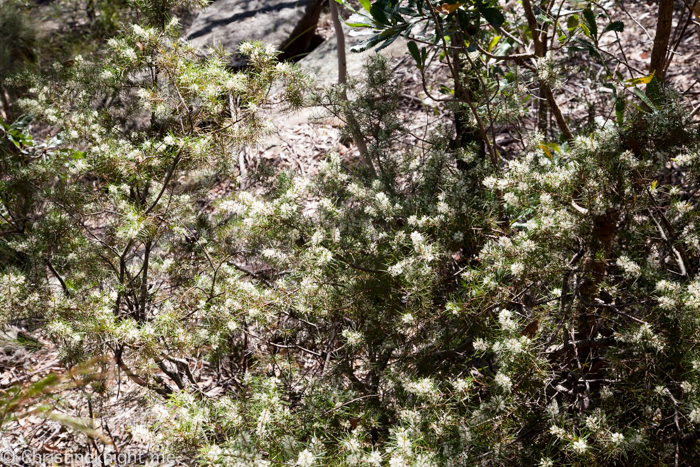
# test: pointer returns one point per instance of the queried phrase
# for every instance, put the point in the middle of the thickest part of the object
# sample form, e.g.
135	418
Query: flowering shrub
444	304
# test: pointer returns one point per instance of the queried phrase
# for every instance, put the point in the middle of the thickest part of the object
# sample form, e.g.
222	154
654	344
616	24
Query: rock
322	62
227	23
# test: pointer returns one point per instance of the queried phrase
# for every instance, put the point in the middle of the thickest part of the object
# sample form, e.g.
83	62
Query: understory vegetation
438	301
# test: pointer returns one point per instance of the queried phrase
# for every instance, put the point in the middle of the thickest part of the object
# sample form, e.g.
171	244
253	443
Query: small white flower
480	345
422	387
694	416
408	319
213	453
383	202
630	268
417	239
375	458
592	423
503	381
580	446
606	392
517	269
403	440
505	317
514	346
352	337
317	238
306	459
687	387
510	198
667	303
617	438
138	30
553	408
546	462
462	385
557	431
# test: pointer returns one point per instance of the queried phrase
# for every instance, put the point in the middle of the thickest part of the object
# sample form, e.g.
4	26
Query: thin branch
58	277
168	176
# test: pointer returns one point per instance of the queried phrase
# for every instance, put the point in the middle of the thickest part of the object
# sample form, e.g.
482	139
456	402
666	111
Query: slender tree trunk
342	79
556	111
141	313
340	39
5	106
663	34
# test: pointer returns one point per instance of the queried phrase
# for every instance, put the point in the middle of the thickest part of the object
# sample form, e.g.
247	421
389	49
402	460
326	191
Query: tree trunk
661	40
342	79
340	39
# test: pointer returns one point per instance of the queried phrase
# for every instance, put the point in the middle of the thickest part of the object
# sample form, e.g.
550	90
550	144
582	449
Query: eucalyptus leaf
493	16
589	17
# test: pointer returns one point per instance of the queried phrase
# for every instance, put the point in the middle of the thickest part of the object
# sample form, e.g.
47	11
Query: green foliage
463	305
17	38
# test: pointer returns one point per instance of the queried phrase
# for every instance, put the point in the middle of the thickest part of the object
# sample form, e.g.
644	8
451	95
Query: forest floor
299	144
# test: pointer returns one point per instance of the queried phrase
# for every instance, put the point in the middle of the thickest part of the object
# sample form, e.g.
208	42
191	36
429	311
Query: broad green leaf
389	41
617	26
589	17
366	5
346	5
554	146
572	22
586	46
464	20
379	14
653	92
585	30
357	20
612	89
493	16
644	98
366	44
415	53
620	105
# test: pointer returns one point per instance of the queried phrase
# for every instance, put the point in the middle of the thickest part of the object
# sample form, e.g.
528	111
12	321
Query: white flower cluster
630	268
424	387
644	336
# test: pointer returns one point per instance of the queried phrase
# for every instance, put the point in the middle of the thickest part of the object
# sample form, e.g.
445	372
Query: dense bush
453	304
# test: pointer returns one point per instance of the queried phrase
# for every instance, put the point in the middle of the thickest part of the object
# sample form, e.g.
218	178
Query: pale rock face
322	62
227	23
